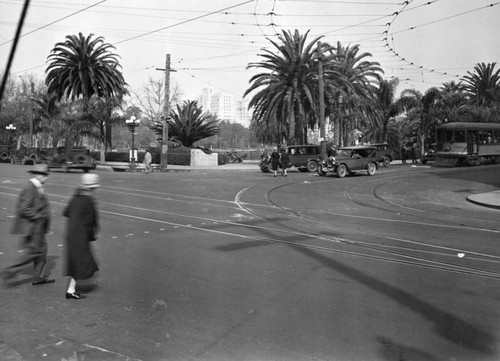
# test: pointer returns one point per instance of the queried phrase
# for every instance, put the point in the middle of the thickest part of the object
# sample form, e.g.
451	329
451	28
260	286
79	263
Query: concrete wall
199	157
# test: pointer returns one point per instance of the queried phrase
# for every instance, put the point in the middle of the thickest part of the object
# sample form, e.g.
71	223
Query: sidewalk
247	165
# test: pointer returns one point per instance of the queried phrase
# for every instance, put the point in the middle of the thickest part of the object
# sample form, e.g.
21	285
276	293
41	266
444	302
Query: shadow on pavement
446	324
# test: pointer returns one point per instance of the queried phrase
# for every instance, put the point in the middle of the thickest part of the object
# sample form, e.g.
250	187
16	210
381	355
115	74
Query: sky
211	42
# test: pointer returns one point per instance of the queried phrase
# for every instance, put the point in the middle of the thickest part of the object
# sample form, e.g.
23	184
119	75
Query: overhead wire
55	21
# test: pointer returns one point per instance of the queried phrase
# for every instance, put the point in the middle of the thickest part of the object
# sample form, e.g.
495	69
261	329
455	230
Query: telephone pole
321	85
166	115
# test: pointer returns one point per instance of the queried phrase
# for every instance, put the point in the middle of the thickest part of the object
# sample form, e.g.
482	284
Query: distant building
225	106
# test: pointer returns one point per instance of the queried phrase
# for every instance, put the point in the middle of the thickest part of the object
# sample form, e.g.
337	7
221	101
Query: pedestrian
284	161
275	161
404	154
413	154
32	222
82	227
147	162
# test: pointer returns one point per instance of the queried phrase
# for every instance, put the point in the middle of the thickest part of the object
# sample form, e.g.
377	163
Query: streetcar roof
470	125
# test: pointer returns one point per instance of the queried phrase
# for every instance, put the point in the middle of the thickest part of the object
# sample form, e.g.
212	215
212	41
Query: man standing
147	161
32	223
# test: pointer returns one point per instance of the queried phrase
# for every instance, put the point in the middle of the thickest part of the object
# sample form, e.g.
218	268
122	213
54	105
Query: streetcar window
460	136
484	137
448	136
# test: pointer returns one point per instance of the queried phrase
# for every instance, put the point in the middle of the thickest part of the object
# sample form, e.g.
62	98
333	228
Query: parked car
429	155
25	156
71	157
349	160
303	157
385	154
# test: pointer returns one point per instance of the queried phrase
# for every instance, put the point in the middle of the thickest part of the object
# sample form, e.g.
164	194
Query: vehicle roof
303	145
469	125
354	147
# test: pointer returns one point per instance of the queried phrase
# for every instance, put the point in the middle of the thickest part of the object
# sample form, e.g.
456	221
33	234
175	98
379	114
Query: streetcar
467	144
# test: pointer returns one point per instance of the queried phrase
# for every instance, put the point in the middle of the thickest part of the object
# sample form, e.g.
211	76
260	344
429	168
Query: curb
480	199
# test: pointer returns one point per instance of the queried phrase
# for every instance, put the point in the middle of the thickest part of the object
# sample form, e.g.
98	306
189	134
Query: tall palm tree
285	92
188	124
82	67
351	80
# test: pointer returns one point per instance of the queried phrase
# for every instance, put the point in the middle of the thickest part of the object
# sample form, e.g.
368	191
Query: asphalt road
239	265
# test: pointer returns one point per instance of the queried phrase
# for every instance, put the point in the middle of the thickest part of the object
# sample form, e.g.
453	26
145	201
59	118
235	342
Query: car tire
371	168
341	171
264	168
312	166
4	156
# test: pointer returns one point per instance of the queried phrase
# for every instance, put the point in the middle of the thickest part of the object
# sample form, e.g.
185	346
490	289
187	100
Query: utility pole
166	115
322	133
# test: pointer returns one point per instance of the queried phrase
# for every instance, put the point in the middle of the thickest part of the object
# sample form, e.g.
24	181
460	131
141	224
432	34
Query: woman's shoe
74	295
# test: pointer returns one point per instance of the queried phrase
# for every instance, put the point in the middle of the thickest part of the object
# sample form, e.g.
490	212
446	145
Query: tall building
225	106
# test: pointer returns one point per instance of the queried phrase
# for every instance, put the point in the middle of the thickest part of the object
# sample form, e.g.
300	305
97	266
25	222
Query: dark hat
40	169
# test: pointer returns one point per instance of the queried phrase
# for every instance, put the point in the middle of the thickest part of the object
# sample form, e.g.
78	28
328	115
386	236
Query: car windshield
361	152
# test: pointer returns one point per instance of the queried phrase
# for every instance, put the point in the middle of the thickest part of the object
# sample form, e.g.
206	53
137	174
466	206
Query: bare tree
152	99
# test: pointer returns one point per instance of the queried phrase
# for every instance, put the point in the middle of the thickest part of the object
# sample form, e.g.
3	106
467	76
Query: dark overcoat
285	160
275	160
32	212
81	230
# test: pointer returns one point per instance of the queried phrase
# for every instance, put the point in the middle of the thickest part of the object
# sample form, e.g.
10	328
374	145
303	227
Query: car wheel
386	161
264	168
341	171
372	168
312	166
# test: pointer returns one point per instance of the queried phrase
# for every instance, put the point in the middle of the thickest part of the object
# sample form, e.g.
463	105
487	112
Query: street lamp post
11	128
132	124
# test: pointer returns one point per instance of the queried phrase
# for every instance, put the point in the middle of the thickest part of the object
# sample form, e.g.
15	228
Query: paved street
239	265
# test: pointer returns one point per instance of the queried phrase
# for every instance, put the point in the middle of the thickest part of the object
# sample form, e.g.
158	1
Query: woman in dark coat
275	161
81	230
285	161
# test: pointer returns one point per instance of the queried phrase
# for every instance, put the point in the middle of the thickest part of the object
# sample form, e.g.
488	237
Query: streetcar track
442	265
407	259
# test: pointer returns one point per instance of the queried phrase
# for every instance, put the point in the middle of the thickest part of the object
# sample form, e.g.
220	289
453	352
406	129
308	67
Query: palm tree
85	67
286	91
483	86
188	124
350	81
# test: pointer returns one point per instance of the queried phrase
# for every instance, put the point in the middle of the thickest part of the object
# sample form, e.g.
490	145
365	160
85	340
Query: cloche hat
90	180
42	169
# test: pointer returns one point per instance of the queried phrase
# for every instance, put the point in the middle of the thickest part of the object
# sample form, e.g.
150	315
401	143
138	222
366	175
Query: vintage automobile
303	157
71	157
349	160
384	153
